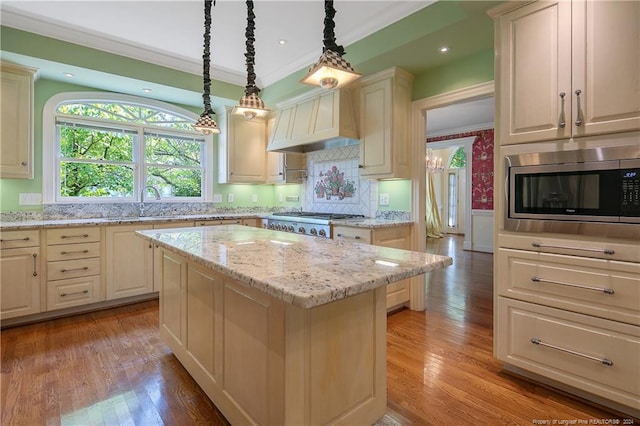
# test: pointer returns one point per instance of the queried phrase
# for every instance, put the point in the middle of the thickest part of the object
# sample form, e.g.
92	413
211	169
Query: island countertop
302	270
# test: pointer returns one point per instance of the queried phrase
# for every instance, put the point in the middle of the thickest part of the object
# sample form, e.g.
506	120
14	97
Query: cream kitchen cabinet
399	237
157	261
567	69
20	273
73	267
16	117
385	149
284	167
242	150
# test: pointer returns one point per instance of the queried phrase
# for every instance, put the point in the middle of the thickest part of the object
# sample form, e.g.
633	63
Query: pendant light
250	104
206	124
331	70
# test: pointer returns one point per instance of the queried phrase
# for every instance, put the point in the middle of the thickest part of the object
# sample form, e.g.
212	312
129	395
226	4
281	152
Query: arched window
101	147
458	159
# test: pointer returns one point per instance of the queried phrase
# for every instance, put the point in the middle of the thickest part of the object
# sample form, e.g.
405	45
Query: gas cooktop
318	215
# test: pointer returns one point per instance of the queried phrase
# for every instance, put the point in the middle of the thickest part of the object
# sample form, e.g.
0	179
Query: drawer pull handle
355	237
592	249
75	252
77	292
562	122
604	361
35	265
15	239
75	236
84	268
584	287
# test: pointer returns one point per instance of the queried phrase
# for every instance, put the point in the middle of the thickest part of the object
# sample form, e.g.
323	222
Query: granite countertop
132	220
302	270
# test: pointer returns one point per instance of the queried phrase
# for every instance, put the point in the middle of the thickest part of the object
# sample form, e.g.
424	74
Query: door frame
418	136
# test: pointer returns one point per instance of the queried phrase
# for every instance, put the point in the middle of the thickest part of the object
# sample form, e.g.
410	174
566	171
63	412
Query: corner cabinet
129	262
242	150
567	68
385	150
16	112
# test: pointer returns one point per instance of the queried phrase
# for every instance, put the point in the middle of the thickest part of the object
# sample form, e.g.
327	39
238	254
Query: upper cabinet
568	69
16	137
385	151
242	150
314	121
284	167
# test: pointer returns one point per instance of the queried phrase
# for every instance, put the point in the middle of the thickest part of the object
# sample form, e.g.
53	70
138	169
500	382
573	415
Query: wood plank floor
110	367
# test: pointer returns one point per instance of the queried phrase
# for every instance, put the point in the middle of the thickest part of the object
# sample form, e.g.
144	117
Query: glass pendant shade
331	71
206	124
251	106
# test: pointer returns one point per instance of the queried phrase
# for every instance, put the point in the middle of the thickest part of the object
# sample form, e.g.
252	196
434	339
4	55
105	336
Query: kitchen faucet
156	193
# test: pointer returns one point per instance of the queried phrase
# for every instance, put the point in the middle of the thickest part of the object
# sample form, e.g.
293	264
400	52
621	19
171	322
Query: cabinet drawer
73	268
17	239
347	233
598	356
218	222
73	292
607	289
73	251
73	235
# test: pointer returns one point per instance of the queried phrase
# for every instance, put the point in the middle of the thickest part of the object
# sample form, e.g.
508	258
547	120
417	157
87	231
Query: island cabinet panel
264	361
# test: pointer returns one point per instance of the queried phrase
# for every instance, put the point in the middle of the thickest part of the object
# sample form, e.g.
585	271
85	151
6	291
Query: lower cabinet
398	293
20	277
129	262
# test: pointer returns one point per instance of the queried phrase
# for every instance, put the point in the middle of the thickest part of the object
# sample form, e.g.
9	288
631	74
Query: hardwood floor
111	368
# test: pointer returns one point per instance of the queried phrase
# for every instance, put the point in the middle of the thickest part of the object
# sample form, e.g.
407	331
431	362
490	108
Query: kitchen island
280	328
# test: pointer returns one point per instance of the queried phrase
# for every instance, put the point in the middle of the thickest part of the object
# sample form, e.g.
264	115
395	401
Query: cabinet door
534	99
20	277
275	167
157	252
246	150
129	262
16	127
606	66
375	131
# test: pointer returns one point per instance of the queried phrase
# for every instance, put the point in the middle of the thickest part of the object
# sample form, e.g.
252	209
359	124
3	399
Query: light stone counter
302	270
112	221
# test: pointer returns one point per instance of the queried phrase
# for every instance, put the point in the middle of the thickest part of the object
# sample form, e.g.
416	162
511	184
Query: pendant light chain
206	77
329	29
250	54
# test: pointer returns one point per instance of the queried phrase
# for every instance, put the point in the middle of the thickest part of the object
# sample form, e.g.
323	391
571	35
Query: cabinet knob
360	166
24	163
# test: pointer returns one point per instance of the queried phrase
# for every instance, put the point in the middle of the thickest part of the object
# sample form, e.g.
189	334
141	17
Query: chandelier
206	124
434	164
331	70
250	104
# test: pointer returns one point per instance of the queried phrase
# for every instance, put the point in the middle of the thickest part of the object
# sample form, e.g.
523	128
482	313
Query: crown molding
94	40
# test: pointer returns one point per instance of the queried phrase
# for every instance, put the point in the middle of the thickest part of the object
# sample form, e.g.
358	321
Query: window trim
51	177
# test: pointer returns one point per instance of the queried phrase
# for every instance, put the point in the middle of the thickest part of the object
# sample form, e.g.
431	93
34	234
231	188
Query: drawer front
73	251
73	235
347	233
73	292
598	356
597	287
18	239
73	268
219	222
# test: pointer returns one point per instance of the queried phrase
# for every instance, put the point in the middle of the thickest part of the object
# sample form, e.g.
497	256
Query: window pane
95	144
459	159
176	182
129	113
452	200
95	180
172	151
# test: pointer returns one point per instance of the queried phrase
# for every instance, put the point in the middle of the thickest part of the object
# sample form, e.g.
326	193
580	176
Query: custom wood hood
320	120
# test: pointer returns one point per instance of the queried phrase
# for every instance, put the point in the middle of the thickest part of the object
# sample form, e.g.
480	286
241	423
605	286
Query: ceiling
461	117
170	33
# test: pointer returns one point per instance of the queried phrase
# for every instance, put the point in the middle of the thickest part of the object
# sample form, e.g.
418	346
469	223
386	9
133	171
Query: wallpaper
481	167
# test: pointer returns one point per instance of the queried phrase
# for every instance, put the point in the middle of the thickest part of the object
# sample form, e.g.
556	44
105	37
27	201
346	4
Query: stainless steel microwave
578	191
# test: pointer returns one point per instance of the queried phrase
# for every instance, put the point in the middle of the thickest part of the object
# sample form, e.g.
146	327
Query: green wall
399	195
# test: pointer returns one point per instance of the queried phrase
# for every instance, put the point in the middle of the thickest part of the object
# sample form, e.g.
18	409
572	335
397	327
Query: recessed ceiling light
282	41
146	90
444	49
68	74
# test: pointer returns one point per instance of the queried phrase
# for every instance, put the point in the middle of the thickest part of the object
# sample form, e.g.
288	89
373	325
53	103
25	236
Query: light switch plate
229	198
217	198
254	198
281	198
30	199
384	199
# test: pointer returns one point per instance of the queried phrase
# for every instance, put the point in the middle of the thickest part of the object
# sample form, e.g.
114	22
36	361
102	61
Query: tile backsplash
334	184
